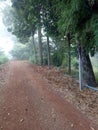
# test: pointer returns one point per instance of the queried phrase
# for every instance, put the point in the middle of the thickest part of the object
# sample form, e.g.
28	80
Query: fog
6	38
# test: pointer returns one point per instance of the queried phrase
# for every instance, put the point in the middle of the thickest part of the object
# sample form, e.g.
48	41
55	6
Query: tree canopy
64	22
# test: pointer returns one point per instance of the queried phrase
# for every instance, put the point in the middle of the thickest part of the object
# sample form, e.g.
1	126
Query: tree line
61	26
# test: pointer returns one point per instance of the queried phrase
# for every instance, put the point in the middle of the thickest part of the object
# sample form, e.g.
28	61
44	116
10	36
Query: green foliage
20	52
80	17
57	18
57	59
75	63
94	25
58	56
3	57
31	59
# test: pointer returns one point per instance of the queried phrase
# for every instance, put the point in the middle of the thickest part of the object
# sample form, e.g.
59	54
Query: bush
57	58
3	59
74	63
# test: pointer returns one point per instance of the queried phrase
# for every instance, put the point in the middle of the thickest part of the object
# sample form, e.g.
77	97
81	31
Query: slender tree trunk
69	53
40	44
48	52
69	58
34	49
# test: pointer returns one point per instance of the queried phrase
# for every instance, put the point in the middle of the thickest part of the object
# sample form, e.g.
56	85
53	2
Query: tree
58	18
20	52
76	17
31	11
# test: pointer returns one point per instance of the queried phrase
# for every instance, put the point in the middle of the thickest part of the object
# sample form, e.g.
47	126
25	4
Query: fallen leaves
67	86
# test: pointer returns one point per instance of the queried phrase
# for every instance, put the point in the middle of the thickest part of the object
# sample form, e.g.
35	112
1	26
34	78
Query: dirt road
27	102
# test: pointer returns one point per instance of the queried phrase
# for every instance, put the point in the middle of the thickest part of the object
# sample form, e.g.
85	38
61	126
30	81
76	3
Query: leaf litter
67	87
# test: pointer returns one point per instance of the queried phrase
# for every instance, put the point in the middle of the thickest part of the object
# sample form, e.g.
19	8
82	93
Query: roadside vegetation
3	57
55	33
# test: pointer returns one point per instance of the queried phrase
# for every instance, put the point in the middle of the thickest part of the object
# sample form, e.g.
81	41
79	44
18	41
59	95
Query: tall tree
76	17
58	18
32	13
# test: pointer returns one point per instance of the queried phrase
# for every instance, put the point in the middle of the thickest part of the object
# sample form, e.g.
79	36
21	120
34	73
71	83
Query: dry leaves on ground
67	87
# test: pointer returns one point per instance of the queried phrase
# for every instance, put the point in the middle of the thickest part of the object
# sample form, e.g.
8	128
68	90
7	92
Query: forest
55	33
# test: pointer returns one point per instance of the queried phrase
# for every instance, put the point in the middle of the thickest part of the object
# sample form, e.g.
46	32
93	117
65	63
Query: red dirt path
28	103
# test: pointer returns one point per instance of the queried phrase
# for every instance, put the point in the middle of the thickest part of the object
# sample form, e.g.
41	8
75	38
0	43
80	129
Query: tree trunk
40	44
48	51
34	49
69	53
87	68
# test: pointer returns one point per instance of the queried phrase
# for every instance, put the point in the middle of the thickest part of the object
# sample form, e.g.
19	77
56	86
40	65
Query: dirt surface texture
28	102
